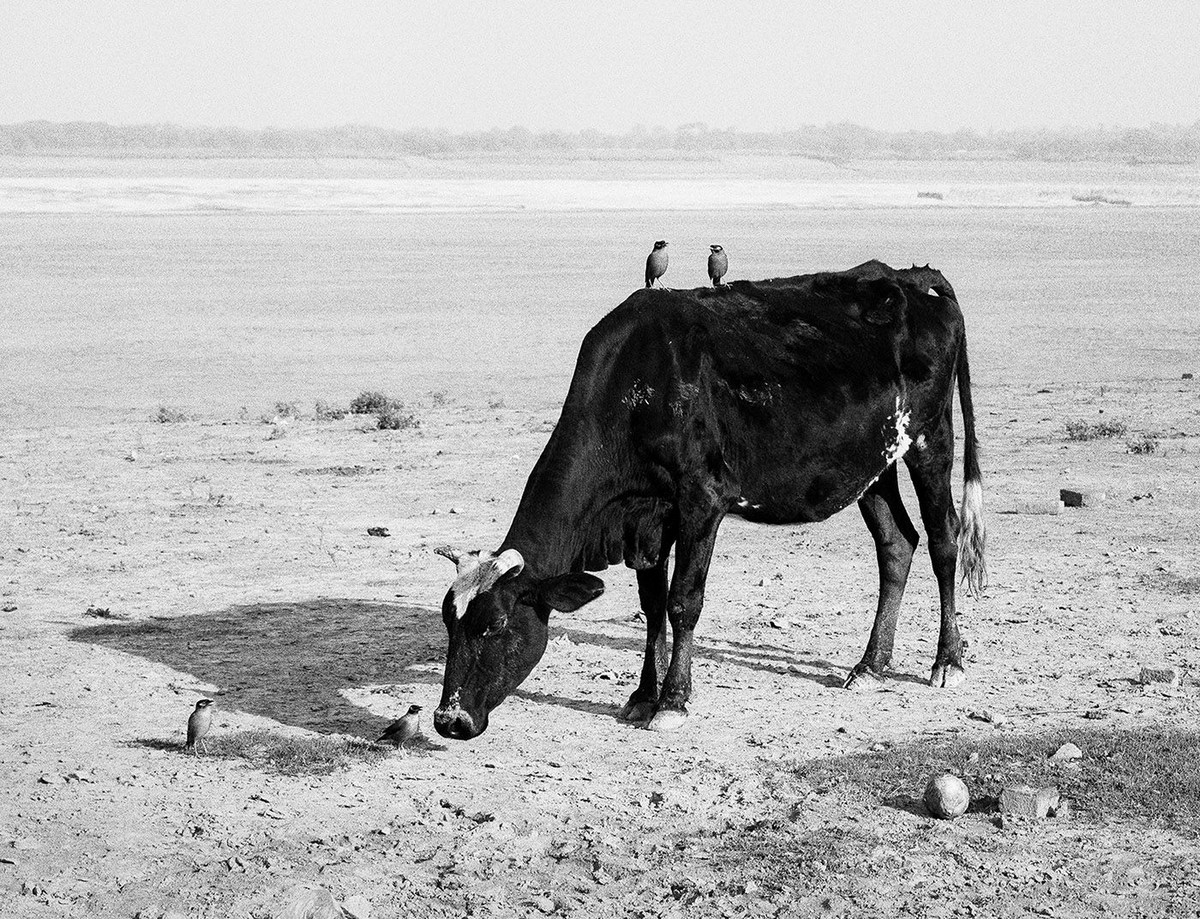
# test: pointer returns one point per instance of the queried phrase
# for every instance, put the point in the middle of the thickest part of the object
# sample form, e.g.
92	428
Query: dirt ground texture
239	550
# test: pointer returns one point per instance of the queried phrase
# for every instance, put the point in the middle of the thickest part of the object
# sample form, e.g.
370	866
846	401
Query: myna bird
718	264
403	729
656	263
198	725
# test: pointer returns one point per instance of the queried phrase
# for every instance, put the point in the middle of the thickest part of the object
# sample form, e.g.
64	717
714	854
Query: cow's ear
567	592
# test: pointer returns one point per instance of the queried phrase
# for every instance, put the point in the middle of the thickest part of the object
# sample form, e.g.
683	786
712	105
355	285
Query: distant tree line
839	143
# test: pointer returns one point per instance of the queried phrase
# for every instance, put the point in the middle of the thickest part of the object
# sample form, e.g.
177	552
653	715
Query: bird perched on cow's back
403	729
198	725
718	264
656	263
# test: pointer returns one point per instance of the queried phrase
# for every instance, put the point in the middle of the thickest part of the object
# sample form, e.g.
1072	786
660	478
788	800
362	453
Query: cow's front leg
693	552
652	592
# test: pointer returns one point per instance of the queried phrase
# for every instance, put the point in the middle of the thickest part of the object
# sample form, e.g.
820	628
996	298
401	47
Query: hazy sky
609	65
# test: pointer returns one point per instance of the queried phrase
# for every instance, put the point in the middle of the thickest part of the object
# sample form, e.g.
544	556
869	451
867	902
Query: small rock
780	622
310	903
994	718
1186	376
1029	802
455	510
946	797
378	531
545	904
1168	675
356	907
1065	753
1072	498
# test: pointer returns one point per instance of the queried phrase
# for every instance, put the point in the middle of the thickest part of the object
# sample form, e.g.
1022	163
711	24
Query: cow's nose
454	723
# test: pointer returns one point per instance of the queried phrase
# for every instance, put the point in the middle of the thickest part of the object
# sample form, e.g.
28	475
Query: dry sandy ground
249	558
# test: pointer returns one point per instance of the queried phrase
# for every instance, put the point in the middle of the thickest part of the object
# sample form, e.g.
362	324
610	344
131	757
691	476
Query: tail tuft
972	538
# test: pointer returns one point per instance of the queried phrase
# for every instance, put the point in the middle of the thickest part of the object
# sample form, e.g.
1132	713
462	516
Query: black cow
783	401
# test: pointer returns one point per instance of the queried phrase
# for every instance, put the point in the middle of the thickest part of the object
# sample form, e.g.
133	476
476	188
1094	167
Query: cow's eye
496	626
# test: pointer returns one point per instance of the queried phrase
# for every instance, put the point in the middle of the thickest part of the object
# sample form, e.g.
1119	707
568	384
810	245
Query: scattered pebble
378	531
1066	752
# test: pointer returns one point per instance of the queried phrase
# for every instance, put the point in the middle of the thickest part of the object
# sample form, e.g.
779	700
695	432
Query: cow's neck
556	512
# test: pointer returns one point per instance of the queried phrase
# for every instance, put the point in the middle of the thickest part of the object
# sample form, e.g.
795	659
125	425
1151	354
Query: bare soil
241	557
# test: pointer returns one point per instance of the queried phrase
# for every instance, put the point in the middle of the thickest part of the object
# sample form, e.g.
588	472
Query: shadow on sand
291	661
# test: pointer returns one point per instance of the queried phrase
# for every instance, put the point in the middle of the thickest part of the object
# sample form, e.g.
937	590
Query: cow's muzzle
455	723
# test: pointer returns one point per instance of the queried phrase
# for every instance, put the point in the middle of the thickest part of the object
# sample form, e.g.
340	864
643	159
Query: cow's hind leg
930	467
895	540
700	518
652	592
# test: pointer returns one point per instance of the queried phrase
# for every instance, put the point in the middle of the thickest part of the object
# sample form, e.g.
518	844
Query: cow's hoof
637	711
667	720
946	676
863	680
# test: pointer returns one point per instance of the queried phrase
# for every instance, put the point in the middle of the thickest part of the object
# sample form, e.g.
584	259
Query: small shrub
1146	443
438	398
496	403
326	412
282	411
278	432
370	403
395	418
168	415
1094	430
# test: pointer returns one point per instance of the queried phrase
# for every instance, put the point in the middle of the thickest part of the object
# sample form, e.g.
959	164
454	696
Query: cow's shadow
293	661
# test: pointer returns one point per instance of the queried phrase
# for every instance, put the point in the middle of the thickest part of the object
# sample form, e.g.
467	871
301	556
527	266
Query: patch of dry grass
308	755
1094	430
1152	773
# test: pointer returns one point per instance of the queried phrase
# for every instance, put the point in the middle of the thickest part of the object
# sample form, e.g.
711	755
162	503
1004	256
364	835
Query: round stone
946	797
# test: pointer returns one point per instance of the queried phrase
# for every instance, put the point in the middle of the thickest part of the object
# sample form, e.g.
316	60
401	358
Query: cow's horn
449	552
508	560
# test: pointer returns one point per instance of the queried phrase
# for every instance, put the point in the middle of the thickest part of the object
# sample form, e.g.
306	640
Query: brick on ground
1073	498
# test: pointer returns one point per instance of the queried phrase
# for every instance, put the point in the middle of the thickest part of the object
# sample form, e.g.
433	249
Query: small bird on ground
718	264
656	263
198	725
403	729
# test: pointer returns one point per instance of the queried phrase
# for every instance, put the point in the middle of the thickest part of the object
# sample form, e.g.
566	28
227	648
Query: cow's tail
972	535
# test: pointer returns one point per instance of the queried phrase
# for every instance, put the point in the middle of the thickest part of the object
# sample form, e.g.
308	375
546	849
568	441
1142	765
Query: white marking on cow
920	444
895	450
477	574
902	442
745	505
639	394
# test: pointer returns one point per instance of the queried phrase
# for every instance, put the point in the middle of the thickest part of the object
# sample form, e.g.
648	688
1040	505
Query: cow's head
497	617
